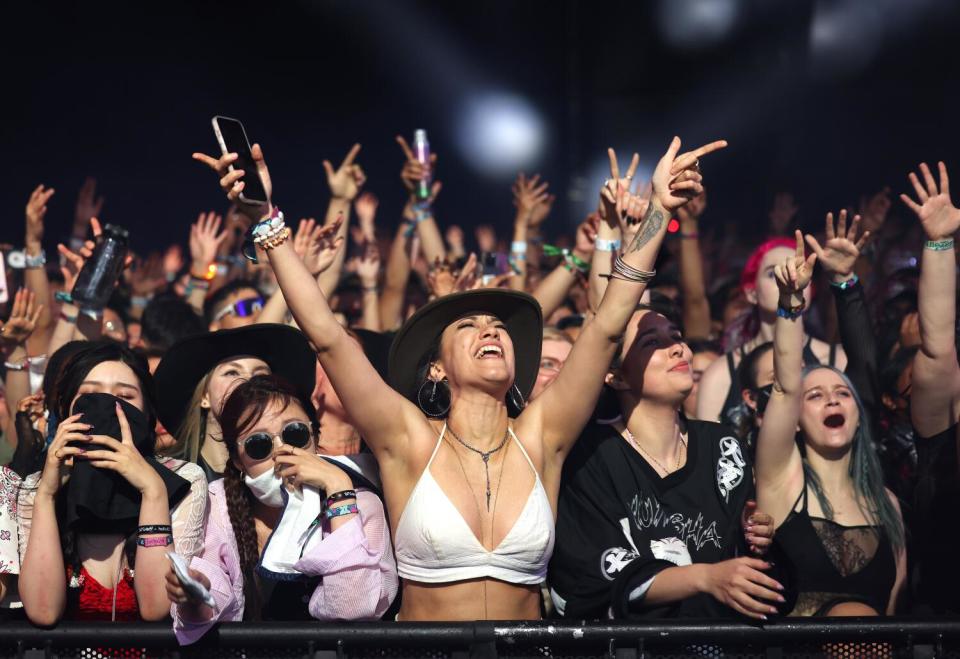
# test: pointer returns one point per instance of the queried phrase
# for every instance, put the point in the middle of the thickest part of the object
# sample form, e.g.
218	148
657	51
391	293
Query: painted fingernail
763	617
780	587
117	404
780	598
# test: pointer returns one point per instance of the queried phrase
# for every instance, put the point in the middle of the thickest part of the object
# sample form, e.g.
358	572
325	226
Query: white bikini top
434	544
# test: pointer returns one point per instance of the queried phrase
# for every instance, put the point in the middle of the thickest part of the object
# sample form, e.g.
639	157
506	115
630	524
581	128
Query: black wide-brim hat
520	313
285	350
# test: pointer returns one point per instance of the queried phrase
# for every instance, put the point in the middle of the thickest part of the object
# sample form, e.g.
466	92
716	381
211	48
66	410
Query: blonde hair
554	334
193	428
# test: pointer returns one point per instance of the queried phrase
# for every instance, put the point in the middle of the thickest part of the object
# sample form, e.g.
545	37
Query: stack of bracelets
333	510
628	273
161	535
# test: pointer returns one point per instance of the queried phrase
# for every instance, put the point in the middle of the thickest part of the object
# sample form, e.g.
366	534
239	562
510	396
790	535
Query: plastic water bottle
101	271
421	148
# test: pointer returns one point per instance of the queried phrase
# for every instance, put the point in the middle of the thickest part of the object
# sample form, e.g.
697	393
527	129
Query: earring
516	398
437	404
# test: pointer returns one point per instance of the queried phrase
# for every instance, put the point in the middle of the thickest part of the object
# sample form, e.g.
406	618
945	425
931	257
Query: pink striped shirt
356	563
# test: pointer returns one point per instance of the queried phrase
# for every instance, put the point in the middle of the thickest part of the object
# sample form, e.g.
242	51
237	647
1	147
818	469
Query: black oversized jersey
619	523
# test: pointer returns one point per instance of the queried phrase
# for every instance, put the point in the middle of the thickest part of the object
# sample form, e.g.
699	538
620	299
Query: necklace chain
484	455
635	444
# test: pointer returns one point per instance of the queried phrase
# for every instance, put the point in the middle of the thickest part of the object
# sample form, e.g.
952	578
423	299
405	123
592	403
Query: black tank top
833	563
734	397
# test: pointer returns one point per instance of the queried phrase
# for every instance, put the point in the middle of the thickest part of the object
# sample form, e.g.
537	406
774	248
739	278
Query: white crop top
434	544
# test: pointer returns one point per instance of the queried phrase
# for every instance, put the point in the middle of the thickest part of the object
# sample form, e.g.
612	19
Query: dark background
826	99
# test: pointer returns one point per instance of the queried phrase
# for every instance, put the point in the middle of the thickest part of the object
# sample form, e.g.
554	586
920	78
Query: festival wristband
64	297
789	314
157	541
340	511
604	245
518	247
67	318
340	496
939	245
154	528
849	283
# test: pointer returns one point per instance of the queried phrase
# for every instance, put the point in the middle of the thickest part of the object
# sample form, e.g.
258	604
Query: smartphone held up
233	139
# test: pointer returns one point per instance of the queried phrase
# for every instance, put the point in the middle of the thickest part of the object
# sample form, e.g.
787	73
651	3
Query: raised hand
345	181
782	213
368	266
442	280
842	248
123	458
172	261
414	171
147	276
677	178
366	208
529	195
586	236
795	273
23	318
320	245
60	455
232	182
36	210
939	217
205	241
88	206
690	213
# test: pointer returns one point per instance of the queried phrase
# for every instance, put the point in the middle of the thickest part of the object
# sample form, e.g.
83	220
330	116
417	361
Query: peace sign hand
841	250
345	182
795	273
677	178
939	217
124	458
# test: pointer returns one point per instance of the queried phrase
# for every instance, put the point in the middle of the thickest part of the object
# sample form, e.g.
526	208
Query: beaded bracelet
340	496
849	283
160	541
939	245
339	511
789	314
154	528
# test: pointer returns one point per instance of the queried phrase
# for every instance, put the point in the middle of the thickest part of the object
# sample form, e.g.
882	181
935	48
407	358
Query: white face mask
267	488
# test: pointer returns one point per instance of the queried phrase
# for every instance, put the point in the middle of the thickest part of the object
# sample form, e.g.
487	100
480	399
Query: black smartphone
233	139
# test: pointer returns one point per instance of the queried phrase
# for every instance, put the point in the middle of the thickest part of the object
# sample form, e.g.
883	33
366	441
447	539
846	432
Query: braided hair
244	407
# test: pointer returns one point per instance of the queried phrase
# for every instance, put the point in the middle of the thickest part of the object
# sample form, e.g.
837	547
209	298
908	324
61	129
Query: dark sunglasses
259	445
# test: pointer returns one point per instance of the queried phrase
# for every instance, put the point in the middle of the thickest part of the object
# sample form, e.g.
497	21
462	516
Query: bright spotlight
844	37
500	134
696	24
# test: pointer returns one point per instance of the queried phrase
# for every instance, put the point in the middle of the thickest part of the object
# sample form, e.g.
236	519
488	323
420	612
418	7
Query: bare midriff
473	599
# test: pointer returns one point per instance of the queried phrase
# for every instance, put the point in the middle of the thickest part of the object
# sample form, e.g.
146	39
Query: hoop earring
437	404
516	398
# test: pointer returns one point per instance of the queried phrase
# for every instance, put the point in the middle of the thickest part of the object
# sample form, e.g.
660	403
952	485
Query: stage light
844	37
696	24
500	134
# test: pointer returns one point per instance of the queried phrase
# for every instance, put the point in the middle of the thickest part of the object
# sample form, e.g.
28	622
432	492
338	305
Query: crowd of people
323	420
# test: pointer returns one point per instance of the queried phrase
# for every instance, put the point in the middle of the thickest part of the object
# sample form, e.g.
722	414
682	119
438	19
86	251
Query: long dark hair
865	472
244	407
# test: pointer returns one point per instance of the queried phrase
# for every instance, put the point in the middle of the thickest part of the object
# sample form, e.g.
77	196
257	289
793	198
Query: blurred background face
230	315
229	374
552	357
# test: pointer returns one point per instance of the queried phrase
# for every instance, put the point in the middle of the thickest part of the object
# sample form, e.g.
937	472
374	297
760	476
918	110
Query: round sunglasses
259	445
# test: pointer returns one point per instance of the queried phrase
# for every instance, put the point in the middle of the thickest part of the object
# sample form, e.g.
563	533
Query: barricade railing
847	638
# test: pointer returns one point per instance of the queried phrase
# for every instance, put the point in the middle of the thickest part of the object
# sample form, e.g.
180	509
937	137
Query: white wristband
518	247
603	245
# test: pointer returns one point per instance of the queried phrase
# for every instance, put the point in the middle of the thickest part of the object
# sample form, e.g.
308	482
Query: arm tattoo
649	227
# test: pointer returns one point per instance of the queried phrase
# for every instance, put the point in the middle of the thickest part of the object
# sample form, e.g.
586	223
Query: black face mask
102	501
762	396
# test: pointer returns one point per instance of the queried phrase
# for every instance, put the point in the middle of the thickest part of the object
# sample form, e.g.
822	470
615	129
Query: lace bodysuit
835	563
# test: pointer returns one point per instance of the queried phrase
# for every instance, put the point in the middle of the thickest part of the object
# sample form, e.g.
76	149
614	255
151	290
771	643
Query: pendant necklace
485	455
633	442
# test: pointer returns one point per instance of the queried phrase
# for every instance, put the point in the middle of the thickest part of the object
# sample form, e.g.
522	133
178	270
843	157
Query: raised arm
205	239
368	270
567	404
345	183
838	257
696	307
14	334
528	194
779	468
380	412
553	288
935	401
426	225
395	278
35	277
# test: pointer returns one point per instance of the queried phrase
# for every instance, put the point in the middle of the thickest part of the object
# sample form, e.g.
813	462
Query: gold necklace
633	442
